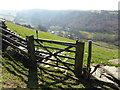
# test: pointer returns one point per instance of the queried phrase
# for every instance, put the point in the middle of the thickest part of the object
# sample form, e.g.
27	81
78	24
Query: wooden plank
63	50
14	35
56	55
66	65
54	48
43	47
66	57
13	41
79	58
56	61
15	46
57	42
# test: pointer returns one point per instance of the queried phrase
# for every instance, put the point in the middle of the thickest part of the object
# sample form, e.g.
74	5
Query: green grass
23	31
100	55
15	73
98	35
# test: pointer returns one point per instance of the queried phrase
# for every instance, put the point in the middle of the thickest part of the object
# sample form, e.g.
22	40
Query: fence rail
57	42
6	31
55	48
32	46
56	55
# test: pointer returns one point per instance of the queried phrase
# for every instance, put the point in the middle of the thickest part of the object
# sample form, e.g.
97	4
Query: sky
59	4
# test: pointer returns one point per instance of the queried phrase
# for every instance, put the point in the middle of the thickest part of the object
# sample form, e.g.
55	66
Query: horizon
53	10
60	5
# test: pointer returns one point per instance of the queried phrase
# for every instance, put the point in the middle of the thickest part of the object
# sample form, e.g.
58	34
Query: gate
63	55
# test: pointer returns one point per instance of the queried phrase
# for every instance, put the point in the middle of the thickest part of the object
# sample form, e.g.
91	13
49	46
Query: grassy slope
100	55
15	74
23	31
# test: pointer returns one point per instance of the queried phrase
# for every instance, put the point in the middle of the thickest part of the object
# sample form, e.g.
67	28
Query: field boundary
28	48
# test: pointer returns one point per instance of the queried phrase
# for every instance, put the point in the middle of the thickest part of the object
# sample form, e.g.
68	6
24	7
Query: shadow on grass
17	65
50	77
57	79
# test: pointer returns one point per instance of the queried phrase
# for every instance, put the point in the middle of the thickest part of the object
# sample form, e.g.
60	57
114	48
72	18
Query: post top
29	35
80	41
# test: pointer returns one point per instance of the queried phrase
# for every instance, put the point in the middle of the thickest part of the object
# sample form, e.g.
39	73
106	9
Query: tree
41	28
28	26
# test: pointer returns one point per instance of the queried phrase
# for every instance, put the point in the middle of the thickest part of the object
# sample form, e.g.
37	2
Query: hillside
23	31
15	71
96	25
101	54
92	21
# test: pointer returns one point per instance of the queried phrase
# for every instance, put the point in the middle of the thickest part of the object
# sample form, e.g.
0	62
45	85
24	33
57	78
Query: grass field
100	55
23	31
15	70
15	75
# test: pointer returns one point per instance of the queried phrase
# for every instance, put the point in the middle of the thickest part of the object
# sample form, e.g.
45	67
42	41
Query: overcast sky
59	4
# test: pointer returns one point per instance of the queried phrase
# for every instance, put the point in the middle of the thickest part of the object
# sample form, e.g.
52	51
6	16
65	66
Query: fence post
89	59
31	49
89	54
79	58
32	77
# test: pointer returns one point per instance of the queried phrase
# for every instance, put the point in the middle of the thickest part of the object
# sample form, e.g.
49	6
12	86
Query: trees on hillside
41	28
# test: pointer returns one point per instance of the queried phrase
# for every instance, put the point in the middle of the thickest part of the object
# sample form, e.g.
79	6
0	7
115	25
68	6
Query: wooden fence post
32	77
87	76
31	49
79	58
89	54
